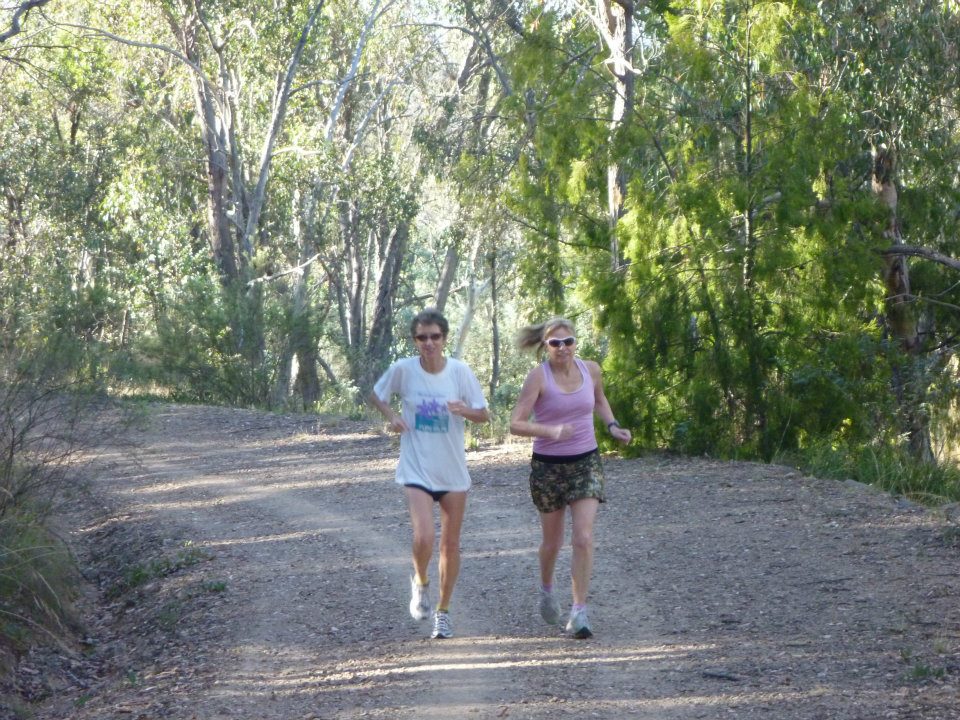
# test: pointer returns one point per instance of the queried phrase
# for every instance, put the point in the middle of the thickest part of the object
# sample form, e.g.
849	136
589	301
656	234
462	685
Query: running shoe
419	600
549	607
441	626
579	624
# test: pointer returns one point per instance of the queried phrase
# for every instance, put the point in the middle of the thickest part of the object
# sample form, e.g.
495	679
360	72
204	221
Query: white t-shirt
432	452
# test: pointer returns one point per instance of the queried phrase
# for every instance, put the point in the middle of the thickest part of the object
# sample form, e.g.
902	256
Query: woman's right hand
561	432
397	424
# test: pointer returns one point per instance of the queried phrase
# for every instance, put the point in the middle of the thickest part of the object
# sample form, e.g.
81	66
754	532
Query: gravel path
249	566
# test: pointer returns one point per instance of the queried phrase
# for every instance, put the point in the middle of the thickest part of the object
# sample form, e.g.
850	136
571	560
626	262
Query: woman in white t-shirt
437	394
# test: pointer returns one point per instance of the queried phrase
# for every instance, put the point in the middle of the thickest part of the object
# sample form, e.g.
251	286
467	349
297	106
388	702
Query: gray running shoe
549	607
579	624
441	626
420	607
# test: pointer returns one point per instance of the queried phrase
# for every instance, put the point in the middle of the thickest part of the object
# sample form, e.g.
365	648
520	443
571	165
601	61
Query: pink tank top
555	407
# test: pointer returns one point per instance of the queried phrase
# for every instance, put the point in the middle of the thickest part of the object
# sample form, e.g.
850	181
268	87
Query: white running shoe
441	626
579	624
549	607
420	607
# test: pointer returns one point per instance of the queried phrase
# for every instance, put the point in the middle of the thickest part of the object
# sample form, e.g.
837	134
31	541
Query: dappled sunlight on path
720	589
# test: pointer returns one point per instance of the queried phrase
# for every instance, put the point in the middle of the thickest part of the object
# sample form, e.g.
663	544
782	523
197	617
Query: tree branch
21	11
484	41
283	273
914	251
279	114
602	24
97	32
358	50
941	303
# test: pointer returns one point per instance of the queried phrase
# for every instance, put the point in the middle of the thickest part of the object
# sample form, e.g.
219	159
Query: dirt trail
275	551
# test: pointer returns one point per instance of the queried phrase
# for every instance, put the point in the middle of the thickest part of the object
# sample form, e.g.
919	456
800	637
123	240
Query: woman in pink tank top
556	407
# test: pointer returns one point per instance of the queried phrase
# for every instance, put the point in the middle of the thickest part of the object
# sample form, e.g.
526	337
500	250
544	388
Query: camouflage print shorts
553	486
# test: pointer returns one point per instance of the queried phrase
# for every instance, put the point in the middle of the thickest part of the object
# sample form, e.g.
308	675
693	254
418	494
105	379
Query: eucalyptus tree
472	151
203	90
407	103
218	42
283	138
61	140
357	191
897	63
259	78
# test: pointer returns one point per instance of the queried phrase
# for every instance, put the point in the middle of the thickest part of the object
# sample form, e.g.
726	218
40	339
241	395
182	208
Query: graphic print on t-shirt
432	415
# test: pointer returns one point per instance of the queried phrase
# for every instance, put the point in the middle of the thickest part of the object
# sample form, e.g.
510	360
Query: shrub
48	420
887	466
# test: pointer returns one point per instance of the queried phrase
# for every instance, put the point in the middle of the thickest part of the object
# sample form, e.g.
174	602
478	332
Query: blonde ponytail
532	336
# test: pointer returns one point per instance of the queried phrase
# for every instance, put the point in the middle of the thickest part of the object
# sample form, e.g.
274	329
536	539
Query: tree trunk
284	376
307	384
215	131
495	327
449	271
306	381
473	293
615	18
219	229
297	365
351	279
756	414
908	376
381	325
280	104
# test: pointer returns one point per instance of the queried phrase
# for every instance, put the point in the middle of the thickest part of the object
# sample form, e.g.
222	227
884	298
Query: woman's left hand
620	434
457	407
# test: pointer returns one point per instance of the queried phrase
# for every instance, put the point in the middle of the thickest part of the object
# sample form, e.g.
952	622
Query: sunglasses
557	342
432	336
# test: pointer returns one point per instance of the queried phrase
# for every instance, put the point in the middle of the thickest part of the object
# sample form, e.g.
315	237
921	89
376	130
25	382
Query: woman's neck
562	367
434	365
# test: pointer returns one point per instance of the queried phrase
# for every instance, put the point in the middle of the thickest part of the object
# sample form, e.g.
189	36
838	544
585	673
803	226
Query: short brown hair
429	316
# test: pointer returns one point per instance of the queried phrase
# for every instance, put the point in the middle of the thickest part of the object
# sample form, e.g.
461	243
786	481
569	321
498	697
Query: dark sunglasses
557	342
432	336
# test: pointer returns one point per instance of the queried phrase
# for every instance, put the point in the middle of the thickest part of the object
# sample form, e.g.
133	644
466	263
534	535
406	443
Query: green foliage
139	574
341	401
200	352
50	413
888	466
36	580
747	320
744	314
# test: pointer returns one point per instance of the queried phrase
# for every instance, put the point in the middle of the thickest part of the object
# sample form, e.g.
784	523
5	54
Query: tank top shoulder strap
585	371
